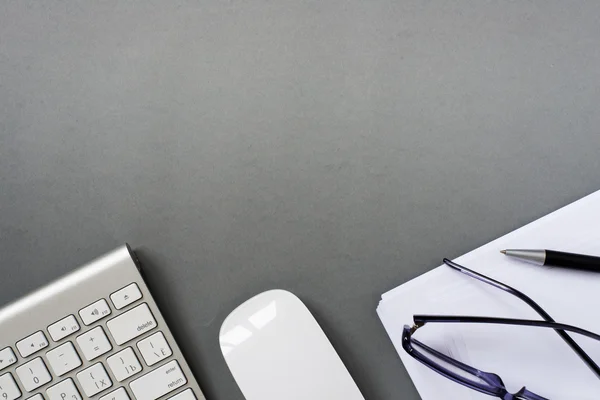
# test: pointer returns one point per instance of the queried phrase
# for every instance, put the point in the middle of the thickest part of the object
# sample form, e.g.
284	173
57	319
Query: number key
8	388
33	374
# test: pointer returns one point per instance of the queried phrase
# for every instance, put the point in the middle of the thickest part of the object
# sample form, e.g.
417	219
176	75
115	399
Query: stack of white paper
522	356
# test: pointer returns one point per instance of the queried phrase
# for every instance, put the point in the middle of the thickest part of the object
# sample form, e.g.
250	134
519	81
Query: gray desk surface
335	149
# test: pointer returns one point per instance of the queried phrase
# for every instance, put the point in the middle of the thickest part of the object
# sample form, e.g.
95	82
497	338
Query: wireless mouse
276	350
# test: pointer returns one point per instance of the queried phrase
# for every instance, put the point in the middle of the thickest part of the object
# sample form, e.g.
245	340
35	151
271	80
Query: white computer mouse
276	350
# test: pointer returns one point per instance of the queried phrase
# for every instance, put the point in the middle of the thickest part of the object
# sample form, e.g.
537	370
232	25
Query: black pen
556	259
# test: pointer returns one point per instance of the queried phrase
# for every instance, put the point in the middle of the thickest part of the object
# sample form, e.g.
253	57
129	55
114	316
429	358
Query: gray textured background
335	149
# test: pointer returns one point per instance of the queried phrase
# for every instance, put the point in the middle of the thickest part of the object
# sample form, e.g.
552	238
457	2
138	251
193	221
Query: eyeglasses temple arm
499	285
568	339
465	319
527	395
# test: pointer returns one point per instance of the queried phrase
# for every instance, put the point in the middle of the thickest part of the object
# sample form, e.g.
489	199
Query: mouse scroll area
276	350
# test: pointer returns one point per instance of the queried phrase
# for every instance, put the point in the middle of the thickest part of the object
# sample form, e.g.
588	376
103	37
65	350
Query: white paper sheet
533	357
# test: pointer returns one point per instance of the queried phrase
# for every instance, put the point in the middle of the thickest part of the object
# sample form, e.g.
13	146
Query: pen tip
503	251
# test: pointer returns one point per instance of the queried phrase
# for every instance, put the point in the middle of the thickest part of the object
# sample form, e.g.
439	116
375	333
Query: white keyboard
93	334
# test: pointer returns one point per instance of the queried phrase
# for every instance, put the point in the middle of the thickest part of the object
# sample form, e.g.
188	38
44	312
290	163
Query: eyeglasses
487	382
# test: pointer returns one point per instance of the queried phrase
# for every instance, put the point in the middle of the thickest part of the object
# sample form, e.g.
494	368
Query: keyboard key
185	395
7	358
93	343
63	328
126	296
64	390
94	380
131	324
94	312
63	359
159	382
124	364
36	397
154	348
32	344
8	388
33	374
119	394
